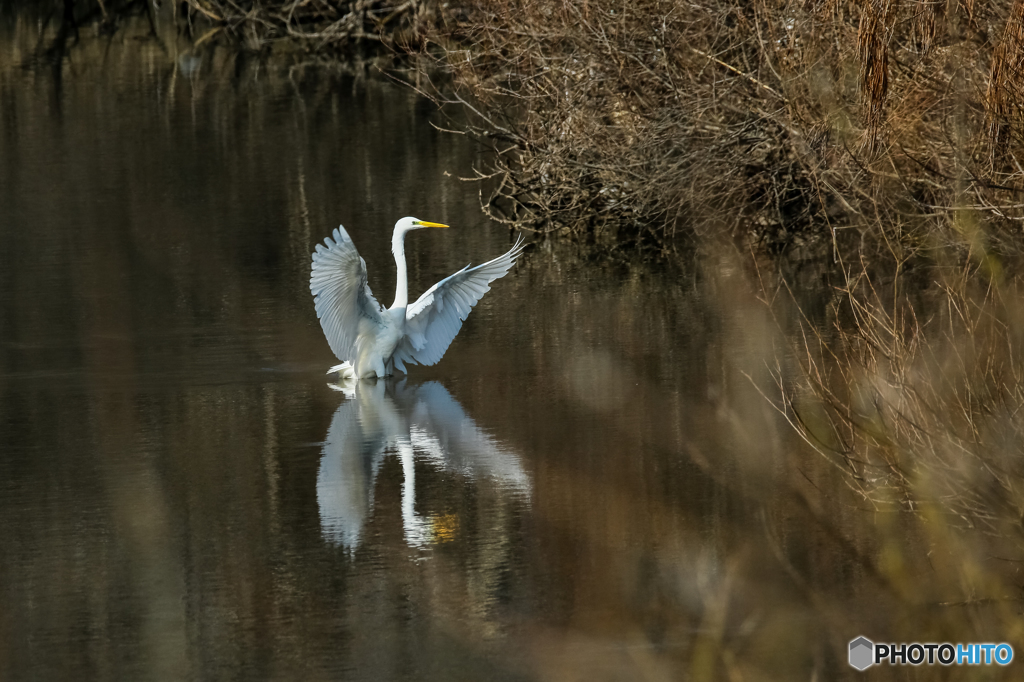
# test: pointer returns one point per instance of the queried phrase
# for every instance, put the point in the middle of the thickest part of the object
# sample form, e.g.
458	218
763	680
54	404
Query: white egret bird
371	341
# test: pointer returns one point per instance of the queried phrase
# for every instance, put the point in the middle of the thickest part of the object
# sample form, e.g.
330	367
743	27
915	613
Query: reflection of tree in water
420	421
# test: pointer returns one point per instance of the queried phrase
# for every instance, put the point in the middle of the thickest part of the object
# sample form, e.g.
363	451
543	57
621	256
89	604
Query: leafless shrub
628	122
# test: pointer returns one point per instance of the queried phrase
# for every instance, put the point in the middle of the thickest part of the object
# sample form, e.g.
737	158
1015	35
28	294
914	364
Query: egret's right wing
343	300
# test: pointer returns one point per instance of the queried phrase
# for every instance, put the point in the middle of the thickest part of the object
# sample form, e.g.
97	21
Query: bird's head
407	224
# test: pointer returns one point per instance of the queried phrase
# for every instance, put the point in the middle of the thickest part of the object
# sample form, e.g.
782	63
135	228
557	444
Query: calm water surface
183	496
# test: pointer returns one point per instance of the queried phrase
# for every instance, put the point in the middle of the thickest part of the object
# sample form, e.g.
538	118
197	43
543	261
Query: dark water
587	487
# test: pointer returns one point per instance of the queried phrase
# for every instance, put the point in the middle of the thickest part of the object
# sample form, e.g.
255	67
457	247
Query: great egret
371	341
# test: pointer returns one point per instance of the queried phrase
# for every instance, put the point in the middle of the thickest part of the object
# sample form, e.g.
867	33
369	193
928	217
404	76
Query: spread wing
432	322
344	303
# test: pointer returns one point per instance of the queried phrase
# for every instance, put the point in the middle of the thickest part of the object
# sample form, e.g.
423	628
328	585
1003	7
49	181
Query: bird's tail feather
344	370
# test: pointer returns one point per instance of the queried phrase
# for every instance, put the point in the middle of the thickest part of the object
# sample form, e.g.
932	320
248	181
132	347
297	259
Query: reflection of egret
410	421
371	341
189	64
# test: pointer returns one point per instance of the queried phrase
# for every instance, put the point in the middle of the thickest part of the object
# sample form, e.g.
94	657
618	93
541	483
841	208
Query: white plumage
371	341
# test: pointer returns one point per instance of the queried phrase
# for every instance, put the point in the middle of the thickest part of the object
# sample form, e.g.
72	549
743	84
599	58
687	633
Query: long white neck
402	278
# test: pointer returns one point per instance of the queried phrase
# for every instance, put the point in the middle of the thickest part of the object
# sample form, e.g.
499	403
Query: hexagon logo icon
862	653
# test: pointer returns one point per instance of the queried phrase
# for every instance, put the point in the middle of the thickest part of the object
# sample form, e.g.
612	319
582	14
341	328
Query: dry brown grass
1006	87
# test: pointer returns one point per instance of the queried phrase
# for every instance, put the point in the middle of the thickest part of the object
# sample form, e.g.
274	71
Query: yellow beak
424	223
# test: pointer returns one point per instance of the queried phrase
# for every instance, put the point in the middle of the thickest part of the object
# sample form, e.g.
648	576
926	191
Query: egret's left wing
432	322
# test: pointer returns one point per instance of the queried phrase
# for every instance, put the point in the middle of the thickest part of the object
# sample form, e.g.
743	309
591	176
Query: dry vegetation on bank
630	122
